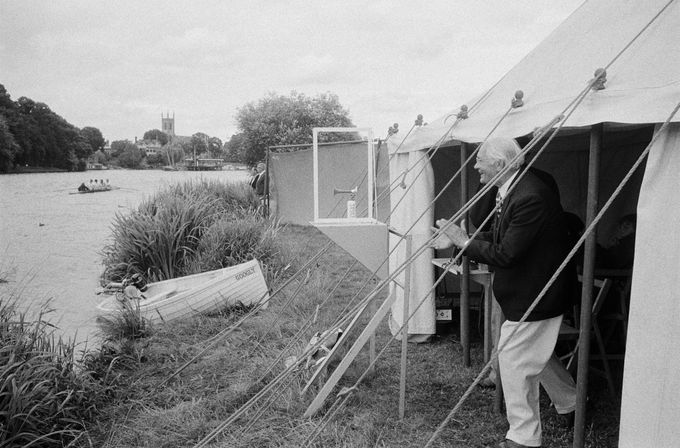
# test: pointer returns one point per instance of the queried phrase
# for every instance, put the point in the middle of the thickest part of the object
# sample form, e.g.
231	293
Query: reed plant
228	242
191	227
44	399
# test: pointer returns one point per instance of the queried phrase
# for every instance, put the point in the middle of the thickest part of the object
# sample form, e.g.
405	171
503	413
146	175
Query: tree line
33	135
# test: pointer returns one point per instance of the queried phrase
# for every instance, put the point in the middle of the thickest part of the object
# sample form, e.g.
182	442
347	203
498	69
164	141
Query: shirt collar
503	189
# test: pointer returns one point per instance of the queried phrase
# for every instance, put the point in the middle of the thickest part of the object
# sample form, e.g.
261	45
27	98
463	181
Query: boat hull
206	292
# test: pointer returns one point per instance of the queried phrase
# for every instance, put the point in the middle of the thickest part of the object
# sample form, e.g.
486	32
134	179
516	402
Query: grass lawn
219	382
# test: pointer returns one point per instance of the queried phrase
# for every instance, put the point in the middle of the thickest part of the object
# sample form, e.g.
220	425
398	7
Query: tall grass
44	400
216	384
189	228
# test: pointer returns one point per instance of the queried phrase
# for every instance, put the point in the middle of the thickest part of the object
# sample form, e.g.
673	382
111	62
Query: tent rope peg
599	79
517	101
419	120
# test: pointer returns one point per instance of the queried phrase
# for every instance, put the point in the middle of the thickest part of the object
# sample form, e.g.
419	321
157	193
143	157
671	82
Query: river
51	241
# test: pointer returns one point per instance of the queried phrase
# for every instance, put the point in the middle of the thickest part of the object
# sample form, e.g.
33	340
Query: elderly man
526	244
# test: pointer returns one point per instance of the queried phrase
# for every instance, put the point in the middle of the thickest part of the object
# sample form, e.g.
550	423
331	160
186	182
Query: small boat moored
206	292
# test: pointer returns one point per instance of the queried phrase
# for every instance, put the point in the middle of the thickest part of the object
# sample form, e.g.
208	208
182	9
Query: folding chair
572	333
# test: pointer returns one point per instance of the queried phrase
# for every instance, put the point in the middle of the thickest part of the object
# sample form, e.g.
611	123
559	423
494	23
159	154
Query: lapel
504	207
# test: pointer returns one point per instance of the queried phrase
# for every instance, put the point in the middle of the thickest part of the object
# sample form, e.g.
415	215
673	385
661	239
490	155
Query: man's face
487	168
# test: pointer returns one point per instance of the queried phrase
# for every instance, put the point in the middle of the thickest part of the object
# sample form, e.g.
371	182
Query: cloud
118	65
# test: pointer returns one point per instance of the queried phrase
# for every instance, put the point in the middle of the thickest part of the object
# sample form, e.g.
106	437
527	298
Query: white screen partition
359	187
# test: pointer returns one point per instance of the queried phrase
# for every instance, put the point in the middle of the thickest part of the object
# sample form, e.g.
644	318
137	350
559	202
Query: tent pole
465	265
266	185
404	330
596	132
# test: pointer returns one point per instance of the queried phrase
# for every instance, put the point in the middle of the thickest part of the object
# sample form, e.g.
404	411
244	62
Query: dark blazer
528	242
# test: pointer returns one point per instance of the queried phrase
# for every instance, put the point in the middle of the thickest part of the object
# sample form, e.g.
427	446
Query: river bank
34	170
228	371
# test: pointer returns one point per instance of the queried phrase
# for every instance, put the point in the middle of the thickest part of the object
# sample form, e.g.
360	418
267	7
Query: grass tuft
44	401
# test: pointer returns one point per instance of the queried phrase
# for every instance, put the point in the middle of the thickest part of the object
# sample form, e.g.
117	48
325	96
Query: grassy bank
217	384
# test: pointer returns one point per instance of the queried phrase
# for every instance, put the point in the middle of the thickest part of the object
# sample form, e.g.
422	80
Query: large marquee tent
637	43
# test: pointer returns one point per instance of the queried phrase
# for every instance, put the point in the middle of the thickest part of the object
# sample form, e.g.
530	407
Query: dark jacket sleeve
527	218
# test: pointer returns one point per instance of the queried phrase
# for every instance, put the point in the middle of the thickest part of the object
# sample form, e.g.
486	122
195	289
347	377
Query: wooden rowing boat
199	293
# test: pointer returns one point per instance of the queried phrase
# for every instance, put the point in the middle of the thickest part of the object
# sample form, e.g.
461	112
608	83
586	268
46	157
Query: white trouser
526	360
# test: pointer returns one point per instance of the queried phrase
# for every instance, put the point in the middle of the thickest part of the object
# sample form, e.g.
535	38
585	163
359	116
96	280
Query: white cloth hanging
411	202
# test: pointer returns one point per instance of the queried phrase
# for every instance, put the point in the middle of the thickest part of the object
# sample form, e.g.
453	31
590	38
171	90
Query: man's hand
453	235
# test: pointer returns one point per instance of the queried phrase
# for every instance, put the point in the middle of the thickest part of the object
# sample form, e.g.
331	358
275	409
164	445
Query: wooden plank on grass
339	371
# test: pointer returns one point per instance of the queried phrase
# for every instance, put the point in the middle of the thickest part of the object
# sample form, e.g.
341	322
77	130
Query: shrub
189	228
230	242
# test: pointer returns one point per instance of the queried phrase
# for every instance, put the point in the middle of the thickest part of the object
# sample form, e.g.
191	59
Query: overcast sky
118	65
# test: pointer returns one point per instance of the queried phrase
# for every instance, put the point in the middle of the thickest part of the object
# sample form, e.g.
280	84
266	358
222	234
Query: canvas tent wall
637	43
291	185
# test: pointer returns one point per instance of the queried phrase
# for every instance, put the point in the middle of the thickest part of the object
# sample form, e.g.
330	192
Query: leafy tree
157	159
39	137
118	146
174	151
94	138
199	144
283	120
131	156
8	146
158	135
235	148
100	157
215	148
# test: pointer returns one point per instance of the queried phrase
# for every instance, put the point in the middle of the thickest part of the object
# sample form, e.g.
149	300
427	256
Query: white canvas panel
419	193
650	407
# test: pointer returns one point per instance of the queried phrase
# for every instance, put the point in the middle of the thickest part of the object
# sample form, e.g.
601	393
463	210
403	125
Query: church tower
168	124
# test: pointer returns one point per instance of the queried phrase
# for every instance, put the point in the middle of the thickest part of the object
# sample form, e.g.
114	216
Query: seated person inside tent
617	253
620	251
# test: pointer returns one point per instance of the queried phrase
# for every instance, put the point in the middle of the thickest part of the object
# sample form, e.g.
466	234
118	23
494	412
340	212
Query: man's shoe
507	443
487	383
567	420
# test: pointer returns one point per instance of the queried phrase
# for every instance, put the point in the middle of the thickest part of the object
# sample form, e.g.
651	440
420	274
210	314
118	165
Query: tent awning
643	82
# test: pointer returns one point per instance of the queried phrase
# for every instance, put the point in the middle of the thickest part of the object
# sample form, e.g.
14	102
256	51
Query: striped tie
497	217
499	205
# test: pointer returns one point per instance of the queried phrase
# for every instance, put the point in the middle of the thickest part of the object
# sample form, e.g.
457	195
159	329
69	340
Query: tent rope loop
517	100
461	115
599	79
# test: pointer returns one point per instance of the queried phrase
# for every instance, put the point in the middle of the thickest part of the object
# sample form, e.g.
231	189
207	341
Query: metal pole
587	286
465	271
404	331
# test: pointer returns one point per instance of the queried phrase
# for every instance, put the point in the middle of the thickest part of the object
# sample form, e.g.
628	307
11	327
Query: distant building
168	124
149	146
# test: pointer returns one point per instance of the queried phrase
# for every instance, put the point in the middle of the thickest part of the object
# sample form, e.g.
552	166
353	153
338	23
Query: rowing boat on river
206	292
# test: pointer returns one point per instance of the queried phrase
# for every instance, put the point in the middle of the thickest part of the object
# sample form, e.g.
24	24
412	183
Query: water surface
51	241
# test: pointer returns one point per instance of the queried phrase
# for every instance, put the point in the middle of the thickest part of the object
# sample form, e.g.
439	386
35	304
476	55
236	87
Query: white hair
505	150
